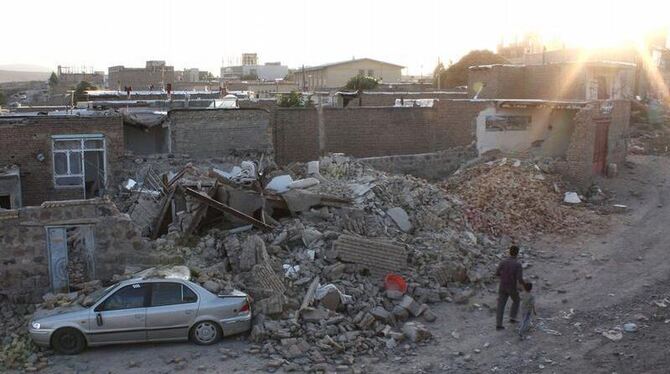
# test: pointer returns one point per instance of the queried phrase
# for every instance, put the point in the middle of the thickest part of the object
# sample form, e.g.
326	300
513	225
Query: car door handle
139	316
188	312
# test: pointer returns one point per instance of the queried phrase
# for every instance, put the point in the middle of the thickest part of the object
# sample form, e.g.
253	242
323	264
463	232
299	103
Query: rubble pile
515	198
17	349
317	275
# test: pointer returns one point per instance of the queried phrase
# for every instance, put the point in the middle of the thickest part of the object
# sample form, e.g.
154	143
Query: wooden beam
226	209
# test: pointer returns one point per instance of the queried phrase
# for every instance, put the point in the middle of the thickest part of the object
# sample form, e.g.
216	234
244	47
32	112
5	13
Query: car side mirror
98	319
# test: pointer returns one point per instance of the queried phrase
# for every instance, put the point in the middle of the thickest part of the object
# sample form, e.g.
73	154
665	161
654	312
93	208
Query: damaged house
58	157
577	113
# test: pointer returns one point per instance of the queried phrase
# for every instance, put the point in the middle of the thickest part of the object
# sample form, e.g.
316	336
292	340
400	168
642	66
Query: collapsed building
238	196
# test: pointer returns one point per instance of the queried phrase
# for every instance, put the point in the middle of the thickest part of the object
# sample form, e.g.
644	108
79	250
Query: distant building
155	75
249	59
251	70
191	75
69	78
337	74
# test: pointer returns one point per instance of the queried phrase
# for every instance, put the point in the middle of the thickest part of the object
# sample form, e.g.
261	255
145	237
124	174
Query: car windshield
98	294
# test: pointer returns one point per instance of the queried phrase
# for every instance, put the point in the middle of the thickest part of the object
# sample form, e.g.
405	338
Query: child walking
527	307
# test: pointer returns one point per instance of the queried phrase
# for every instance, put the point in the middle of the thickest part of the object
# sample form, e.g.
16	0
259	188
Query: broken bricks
378	256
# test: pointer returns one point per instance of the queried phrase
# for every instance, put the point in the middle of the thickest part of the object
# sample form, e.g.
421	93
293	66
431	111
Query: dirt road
584	285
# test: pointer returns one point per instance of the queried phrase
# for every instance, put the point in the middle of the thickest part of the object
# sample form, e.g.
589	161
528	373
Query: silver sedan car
144	310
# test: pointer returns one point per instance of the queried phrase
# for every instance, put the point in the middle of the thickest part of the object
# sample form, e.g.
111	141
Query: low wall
431	166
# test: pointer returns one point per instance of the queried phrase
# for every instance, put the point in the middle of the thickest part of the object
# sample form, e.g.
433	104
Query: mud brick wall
296	135
23	138
554	82
203	133
549	82
24	255
499	82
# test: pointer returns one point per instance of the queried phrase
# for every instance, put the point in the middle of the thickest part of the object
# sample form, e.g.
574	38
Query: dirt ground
584	285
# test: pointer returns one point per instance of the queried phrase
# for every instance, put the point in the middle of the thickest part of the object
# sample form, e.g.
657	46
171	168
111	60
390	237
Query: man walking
511	277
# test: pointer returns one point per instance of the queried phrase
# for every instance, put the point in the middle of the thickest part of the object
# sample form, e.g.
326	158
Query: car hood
60	313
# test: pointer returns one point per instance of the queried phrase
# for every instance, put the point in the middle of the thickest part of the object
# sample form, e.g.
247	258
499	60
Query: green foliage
292	100
457	74
80	90
362	82
53	79
3	99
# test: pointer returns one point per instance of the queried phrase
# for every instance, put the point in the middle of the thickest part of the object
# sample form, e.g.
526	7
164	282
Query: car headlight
35	325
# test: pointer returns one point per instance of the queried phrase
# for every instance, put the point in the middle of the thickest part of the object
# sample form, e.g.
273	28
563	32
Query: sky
204	34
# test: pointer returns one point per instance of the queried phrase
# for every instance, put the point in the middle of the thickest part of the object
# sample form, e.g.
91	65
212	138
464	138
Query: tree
80	90
53	80
292	100
3	100
457	74
362	82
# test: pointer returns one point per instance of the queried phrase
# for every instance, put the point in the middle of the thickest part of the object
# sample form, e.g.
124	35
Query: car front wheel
206	333
68	341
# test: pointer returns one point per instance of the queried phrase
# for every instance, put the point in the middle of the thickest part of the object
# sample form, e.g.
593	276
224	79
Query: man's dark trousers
502	301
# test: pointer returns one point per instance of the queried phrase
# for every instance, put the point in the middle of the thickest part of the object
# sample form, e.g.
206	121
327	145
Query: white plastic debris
571	198
129	184
280	183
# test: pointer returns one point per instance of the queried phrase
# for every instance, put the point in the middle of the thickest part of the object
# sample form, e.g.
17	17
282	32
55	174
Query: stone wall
207	133
24	254
24	139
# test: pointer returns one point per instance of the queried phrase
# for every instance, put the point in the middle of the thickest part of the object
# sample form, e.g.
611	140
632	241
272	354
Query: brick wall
296	135
578	166
24	138
455	123
373	131
204	133
378	131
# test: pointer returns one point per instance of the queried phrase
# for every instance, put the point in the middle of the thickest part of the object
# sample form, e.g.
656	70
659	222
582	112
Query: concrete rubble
313	258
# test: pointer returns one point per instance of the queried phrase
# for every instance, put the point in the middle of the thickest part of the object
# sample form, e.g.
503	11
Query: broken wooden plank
155	232
226	209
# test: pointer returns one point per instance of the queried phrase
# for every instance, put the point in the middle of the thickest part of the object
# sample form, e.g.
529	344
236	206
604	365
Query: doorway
71	256
600	146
